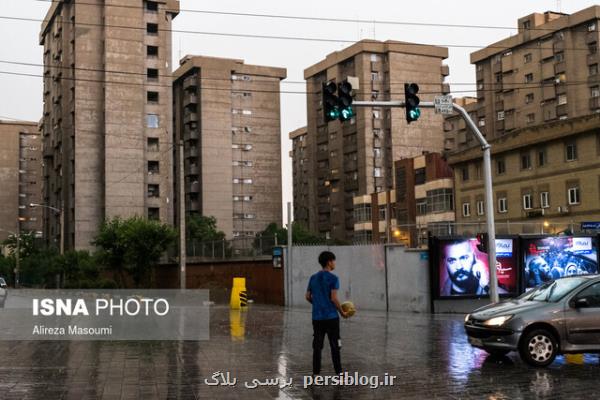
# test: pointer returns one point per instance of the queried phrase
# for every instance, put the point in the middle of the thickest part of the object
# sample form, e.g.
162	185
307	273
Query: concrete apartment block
300	174
107	123
356	157
20	178
228	115
538	100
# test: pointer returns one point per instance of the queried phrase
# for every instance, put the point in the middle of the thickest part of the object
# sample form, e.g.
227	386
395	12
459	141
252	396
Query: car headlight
467	317
497	321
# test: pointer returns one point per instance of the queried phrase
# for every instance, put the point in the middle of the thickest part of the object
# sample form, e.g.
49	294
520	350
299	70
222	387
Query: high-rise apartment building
300	175
352	158
228	115
20	178
107	124
538	103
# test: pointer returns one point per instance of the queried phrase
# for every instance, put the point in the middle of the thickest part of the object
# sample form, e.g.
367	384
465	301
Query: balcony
499	125
591	37
548	92
445	88
194	187
350	185
351	165
445	70
191	152
560	67
190	99
594	103
190	134
190	82
322	155
562	110
192	169
593	58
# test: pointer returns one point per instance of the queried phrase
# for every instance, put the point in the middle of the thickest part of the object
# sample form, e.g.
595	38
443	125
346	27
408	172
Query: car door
583	323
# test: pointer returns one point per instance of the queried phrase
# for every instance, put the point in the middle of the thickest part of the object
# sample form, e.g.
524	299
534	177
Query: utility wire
275	37
321	19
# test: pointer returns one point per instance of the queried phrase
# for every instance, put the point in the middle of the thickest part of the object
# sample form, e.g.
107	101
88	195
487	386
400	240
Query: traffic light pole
487	173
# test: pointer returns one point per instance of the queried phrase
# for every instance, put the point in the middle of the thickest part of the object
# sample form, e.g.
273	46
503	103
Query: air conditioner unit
563	209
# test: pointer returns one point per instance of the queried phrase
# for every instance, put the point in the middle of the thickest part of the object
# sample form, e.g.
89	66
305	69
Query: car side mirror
581	303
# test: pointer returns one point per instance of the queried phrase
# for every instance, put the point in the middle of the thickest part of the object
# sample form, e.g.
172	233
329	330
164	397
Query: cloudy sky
21	97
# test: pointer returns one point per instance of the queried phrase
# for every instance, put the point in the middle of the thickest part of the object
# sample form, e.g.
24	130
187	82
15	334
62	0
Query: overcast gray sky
21	97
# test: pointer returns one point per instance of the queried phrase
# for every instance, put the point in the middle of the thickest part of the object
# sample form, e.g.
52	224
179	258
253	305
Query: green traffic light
415	113
334	113
347	113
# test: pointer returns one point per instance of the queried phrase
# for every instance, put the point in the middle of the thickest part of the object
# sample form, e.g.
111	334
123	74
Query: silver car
558	317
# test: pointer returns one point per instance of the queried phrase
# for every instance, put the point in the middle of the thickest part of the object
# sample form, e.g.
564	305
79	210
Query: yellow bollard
237	325
239	298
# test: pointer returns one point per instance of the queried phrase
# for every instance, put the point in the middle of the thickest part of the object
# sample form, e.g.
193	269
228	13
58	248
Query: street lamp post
62	223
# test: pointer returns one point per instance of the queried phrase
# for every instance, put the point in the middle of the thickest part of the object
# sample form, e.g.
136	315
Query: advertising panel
555	257
463	270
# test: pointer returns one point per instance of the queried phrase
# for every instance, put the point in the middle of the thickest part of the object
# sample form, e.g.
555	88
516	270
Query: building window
362	213
562	99
530	118
376	114
481	121
152	51
242	163
377	172
421	206
542	158
242	198
153	144
500	166
544	199
479	67
560	56
591	26
440	200
502	205
529	98
526	25
527	204
595	91
529	78
247	181
593	69
152	73
152	120
382	212
500	115
480	207
466	209
525	161
420	174
151	5
152	29
593	47
154	213
374	76
153	167
153	190
527	58
571	151
573	194
479	85
152	97
465	173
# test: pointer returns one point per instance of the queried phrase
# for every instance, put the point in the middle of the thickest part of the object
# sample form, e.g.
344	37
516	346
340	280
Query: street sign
590	225
443	104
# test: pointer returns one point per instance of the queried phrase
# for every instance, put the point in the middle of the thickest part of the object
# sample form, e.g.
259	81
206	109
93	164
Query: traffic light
411	101
345	100
482	242
330	102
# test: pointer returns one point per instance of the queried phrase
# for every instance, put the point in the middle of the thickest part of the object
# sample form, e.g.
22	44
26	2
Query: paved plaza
429	355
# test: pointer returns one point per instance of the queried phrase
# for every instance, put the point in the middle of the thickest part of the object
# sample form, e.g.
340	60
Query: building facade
355	157
300	175
538	104
227	114
107	124
20	178
422	201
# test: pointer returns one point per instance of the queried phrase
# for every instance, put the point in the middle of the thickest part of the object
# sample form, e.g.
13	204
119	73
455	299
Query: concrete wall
362	271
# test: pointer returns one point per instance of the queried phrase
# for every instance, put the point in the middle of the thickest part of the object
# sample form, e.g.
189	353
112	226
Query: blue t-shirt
320	286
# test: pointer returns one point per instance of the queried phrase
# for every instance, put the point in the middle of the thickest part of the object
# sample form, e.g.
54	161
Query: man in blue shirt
322	294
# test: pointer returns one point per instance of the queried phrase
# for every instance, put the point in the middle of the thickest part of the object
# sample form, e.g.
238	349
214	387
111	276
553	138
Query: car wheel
497	353
538	348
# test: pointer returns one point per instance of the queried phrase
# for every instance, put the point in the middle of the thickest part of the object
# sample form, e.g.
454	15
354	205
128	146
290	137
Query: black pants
331	328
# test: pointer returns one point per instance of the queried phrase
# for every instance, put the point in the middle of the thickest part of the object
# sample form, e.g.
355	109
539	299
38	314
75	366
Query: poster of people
555	257
463	269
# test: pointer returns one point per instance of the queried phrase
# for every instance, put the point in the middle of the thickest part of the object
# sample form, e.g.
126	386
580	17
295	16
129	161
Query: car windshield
553	291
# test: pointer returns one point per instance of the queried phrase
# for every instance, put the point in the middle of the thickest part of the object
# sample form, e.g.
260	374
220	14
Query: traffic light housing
411	102
345	100
330	102
482	242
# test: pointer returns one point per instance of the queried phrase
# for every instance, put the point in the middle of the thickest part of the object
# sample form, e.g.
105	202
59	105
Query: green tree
203	228
79	269
26	245
134	245
300	235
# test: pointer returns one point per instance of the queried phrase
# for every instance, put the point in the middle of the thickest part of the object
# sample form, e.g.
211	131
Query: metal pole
288	267
18	255
62	230
388	228
182	243
487	170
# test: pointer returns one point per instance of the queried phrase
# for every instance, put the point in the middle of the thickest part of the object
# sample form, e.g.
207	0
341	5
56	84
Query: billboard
463	270
555	257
